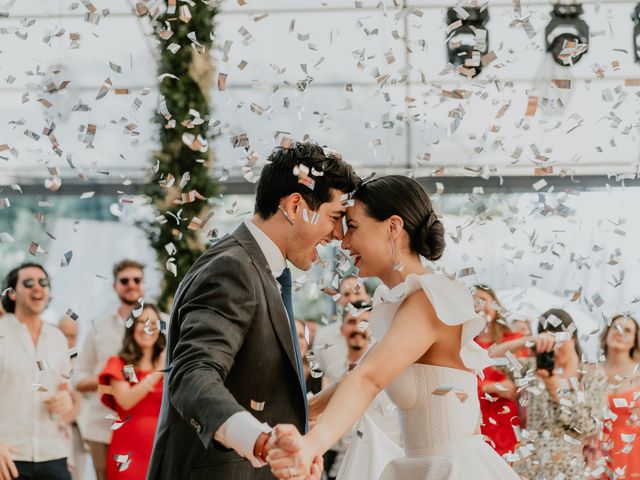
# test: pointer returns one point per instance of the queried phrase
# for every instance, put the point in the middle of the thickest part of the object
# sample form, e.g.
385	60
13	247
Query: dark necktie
285	283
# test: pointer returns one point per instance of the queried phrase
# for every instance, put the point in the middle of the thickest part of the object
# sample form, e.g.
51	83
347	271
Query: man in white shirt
355	333
235	367
329	346
103	341
34	373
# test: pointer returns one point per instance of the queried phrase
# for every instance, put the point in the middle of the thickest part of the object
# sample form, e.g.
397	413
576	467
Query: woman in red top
621	444
496	390
135	395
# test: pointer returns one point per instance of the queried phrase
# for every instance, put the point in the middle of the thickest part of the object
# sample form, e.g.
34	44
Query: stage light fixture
636	32
468	40
567	34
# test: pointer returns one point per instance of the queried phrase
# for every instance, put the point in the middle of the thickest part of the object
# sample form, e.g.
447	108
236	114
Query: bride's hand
305	464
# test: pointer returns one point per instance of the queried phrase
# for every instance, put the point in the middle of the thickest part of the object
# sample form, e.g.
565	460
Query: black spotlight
469	38
567	35
636	33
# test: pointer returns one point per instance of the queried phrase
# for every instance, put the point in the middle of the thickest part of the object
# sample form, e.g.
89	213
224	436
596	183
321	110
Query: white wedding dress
438	406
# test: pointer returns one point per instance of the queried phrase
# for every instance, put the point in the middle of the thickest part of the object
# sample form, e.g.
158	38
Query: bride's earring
286	215
396	265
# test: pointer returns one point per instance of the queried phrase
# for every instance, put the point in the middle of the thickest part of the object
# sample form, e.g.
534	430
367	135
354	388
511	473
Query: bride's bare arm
413	330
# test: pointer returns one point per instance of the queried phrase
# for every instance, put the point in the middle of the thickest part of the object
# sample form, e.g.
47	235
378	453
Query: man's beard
127	302
355	346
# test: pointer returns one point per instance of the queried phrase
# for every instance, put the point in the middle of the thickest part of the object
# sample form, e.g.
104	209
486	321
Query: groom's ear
292	204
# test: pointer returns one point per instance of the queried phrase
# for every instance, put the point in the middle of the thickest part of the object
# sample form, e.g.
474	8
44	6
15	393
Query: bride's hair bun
428	238
403	196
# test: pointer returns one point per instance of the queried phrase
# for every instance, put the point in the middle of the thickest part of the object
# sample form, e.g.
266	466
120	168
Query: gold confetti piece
130	373
452	26
632	82
42	365
487	58
543	171
38	387
561	83
185	14
222	81
116	68
123	462
117	424
104	89
257	406
532	106
462	396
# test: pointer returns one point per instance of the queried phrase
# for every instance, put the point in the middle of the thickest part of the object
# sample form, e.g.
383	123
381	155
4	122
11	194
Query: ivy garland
180	182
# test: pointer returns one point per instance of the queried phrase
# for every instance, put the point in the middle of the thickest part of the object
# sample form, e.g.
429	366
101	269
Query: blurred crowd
68	409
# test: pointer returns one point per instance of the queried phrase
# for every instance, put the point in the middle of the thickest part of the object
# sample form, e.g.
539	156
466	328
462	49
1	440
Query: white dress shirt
242	429
102	342
25	421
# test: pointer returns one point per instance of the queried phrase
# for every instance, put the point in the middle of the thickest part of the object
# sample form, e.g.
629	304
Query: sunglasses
125	280
30	282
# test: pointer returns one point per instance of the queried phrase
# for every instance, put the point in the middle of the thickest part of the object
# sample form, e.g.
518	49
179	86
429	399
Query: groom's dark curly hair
278	180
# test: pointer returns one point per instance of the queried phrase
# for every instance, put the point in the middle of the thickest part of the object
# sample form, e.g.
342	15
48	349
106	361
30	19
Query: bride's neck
395	275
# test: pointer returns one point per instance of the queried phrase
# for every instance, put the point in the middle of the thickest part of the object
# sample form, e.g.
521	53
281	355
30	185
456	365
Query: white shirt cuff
240	432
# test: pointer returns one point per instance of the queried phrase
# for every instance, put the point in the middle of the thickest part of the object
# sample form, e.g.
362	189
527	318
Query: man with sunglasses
34	373
101	342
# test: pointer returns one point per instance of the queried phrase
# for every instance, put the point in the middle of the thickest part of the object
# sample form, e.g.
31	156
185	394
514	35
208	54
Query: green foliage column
180	182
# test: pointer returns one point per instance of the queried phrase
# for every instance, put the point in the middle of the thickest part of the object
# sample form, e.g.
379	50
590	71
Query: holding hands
292	457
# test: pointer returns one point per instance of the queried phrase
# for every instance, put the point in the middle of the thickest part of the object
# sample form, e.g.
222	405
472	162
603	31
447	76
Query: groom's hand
289	459
276	440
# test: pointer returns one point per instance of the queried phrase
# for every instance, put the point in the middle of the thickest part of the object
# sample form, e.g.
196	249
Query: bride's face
367	240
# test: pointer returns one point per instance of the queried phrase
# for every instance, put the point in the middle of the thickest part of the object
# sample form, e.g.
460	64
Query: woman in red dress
497	392
135	394
621	442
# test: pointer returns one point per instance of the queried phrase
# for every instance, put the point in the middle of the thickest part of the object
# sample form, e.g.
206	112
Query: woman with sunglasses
131	385
621	445
496	389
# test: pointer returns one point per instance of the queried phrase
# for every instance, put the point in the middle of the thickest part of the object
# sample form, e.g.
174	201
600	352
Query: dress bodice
438	406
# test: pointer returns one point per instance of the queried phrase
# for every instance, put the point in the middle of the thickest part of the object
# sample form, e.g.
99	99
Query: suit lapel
277	312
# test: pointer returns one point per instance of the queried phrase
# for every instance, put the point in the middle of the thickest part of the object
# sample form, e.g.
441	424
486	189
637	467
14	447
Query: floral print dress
551	447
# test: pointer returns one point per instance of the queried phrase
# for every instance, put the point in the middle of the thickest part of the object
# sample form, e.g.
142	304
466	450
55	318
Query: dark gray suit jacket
229	342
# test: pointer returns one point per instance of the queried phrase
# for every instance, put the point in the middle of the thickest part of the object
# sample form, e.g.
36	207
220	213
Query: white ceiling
351	122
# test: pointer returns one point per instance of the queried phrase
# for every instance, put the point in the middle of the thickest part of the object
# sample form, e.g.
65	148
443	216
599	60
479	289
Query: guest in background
356	335
521	326
565	400
78	458
330	347
621	442
135	394
101	342
496	390
314	384
34	372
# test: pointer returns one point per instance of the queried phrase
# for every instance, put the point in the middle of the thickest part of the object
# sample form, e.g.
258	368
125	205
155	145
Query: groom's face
315	228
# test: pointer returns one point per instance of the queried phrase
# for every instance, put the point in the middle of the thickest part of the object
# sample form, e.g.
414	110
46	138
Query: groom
234	362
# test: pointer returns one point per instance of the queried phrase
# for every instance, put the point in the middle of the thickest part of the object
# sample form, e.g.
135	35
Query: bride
425	356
